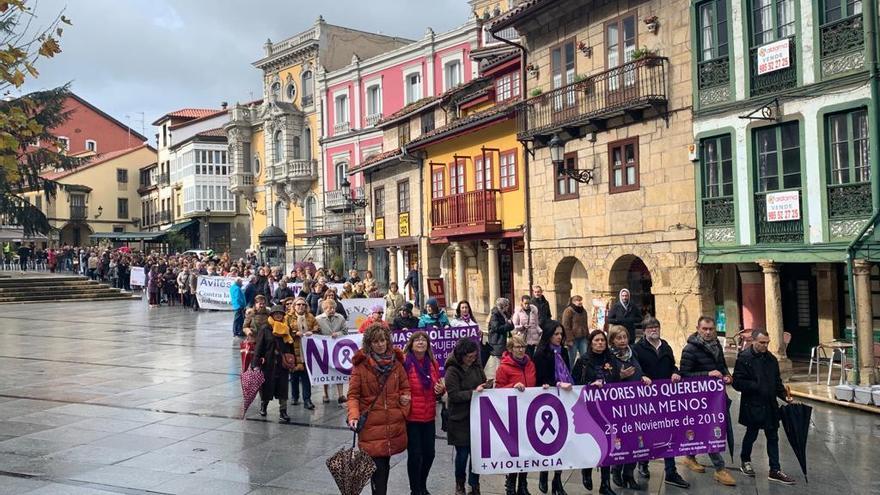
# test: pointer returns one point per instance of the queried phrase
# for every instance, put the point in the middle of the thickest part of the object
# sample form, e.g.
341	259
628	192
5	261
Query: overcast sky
129	57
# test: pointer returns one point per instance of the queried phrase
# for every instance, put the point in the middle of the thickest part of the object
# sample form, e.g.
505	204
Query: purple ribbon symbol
345	355
547	418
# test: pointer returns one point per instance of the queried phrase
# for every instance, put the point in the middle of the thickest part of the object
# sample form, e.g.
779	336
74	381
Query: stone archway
569	279
630	272
75	234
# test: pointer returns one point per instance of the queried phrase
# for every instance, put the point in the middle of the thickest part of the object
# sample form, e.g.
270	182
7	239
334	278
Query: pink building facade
358	96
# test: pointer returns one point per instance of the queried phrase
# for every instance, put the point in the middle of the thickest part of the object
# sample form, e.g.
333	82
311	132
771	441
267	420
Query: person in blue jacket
236	295
433	316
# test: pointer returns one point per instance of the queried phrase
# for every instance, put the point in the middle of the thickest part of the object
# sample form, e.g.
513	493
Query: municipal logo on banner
330	360
442	340
553	429
359	309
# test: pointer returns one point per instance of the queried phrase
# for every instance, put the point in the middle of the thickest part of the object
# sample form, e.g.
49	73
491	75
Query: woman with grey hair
500	327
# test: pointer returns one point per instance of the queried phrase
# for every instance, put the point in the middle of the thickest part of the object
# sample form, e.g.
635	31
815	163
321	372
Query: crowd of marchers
394	394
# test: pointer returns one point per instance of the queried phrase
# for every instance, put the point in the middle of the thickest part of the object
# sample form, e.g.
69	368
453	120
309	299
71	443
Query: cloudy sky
130	57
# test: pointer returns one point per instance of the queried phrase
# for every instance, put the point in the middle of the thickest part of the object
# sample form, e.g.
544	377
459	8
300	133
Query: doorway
800	316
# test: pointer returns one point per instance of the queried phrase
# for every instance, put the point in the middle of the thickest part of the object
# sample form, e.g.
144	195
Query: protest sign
442	340
359	309
213	292
138	278
329	360
541	430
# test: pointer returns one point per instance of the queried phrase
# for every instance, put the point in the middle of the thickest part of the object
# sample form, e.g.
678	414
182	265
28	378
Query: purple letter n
314	355
509	436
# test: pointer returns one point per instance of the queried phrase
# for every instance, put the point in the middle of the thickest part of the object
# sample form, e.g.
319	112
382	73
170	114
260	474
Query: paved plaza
113	397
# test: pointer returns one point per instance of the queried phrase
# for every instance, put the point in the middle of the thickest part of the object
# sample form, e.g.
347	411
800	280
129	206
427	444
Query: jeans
462	467
238	323
419	454
578	346
379	481
772	445
297	378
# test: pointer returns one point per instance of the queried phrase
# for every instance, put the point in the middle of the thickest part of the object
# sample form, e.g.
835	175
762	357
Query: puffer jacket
384	433
424	400
460	385
303	324
439	320
698	359
510	373
527	324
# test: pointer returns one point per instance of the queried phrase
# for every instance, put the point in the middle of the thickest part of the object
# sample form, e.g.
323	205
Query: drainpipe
871	55
407	158
850	258
530	276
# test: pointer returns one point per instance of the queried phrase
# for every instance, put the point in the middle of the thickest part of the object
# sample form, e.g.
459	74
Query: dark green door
800	315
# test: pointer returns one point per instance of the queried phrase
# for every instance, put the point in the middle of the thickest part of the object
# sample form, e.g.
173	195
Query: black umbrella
729	421
796	422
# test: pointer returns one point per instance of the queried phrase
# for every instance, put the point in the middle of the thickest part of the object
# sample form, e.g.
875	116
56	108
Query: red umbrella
251	381
247	353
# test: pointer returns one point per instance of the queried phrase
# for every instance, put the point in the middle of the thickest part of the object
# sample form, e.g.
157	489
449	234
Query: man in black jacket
625	313
543	306
658	363
756	376
704	356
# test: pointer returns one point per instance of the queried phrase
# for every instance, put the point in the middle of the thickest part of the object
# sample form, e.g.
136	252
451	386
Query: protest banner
329	360
442	340
541	430
138	278
359	309
213	292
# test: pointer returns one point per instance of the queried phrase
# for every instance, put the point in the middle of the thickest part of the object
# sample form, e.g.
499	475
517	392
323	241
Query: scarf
562	373
384	362
624	355
577	309
466	319
423	368
280	329
520	362
620	298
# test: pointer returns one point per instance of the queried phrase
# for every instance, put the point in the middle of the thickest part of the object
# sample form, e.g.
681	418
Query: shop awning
128	236
177	227
17	235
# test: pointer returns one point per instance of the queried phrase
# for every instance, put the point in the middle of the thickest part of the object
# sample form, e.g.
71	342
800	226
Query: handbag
362	419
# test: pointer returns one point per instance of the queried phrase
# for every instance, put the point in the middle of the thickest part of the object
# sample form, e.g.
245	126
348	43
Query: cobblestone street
111	397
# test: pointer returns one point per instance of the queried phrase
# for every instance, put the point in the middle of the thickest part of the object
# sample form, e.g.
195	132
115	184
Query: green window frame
712	36
849	153
777	158
772	20
835	10
716	158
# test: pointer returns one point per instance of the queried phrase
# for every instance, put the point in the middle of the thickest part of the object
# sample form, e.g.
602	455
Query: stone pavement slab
127	400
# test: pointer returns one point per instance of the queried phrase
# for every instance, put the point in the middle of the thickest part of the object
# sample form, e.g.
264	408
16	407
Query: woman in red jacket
425	385
517	371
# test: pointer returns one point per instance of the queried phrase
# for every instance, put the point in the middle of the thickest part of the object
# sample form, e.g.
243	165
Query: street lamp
557	156
350	203
207	227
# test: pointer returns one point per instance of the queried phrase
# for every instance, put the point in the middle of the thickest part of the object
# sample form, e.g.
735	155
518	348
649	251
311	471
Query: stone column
864	321
773	306
826	288
392	265
494	278
460	285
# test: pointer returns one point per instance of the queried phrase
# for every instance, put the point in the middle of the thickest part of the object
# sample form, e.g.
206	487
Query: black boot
308	405
605	488
510	484
587	479
523	484
475	489
263	406
283	415
631	483
616	476
542	481
459	486
557	484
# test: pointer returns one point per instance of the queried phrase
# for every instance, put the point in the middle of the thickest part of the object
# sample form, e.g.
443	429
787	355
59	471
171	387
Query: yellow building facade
274	142
100	196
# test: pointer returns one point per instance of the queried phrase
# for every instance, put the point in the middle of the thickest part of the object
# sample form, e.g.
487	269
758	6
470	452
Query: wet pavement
113	397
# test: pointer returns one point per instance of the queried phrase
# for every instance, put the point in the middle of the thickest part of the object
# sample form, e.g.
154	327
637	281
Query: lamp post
557	156
207	227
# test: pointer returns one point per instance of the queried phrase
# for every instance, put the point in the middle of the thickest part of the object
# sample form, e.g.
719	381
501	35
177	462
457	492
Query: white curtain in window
706	26
785	18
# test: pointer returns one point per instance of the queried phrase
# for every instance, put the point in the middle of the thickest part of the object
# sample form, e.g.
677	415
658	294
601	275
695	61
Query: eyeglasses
518	347
299	304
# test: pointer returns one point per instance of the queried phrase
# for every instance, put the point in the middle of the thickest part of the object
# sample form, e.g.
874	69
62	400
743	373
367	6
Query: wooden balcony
625	91
473	212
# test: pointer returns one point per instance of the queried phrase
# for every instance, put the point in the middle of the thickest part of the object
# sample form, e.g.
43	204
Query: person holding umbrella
756	376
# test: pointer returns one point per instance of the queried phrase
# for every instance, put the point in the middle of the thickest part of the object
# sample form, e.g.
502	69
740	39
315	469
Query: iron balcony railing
638	84
780	232
849	200
469	212
842	36
336	199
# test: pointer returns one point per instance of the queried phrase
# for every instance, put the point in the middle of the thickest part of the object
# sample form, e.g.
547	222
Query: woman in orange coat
379	401
517	370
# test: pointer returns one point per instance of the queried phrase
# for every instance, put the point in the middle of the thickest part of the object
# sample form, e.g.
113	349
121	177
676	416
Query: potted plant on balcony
650	56
532	69
653	24
536	92
585	49
584	83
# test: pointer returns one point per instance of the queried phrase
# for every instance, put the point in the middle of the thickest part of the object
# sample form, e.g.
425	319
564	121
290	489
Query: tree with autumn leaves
29	119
